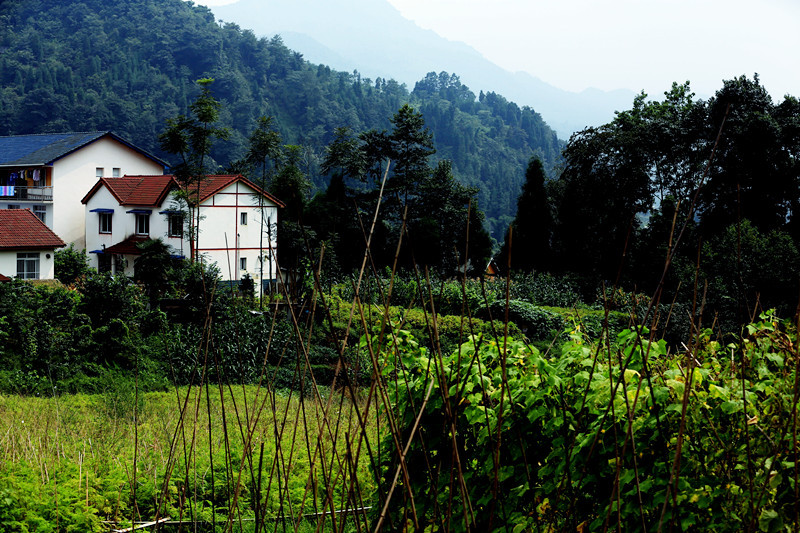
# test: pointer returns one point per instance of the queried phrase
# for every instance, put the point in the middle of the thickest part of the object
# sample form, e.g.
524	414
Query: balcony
28	194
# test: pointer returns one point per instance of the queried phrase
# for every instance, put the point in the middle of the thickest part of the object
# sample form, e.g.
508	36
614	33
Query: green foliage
505	438
436	217
754	176
83	65
154	268
532	229
191	138
605	183
542	288
448	332
639	195
83	479
247	288
107	297
71	265
745	266
58	339
535	322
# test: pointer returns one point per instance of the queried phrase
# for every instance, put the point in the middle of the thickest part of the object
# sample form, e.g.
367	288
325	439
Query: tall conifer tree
532	229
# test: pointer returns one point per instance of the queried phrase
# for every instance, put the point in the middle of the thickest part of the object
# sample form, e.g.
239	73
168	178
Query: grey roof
45	148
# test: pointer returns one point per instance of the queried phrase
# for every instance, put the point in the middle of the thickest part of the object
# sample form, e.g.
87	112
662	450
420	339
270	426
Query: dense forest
128	66
691	200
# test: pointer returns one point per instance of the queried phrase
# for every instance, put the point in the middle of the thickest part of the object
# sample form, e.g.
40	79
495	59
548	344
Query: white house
50	173
238	223
27	245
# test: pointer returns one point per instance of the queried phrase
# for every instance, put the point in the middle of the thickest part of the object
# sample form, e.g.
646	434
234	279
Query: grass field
77	462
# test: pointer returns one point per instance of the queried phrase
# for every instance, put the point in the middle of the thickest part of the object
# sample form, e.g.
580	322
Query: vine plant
621	435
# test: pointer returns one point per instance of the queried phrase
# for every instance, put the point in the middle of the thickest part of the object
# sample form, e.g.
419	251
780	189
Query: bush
536	323
545	289
452	329
71	265
506	439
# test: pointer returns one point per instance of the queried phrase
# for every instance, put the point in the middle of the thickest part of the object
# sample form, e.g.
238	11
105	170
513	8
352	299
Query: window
142	224
175	225
28	265
116	173
104	262
98	172
242	263
41	212
105	222
243	220
14	206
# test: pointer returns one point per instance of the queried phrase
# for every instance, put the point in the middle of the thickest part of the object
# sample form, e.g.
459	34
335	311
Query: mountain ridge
412	52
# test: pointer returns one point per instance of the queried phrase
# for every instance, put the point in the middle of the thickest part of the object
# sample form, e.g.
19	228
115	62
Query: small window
14	206
175	225
98	172
243	218
104	262
105	222
28	265
41	212
142	224
242	263
116	173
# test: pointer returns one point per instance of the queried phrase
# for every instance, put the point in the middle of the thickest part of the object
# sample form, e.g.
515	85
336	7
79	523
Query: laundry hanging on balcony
6	190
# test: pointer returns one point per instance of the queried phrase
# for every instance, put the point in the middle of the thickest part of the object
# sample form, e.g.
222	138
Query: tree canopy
671	182
130	65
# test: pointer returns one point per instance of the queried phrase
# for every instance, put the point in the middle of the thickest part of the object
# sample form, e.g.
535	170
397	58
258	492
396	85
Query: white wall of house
74	174
224	240
8	263
123	225
94	240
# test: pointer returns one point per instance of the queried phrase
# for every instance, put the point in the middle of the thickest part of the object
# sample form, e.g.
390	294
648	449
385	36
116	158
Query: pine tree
532	230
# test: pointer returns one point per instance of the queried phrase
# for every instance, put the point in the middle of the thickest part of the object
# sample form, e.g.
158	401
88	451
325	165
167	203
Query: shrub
545	289
535	322
71	265
501	438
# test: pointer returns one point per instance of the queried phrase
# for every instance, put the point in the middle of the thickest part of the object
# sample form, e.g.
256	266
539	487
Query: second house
237	223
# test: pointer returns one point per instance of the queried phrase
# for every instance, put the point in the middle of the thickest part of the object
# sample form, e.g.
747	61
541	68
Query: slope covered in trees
127	66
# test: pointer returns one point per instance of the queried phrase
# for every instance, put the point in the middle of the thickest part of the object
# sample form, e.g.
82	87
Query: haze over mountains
372	36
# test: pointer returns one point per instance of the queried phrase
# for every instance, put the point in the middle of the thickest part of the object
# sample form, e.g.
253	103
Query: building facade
237	226
49	174
27	245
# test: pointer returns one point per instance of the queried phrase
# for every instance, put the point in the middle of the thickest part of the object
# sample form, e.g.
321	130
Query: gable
214	189
135	190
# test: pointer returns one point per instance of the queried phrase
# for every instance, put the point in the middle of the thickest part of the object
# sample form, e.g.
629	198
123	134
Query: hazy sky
631	44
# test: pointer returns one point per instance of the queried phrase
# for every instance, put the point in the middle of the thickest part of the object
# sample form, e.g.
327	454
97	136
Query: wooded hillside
127	66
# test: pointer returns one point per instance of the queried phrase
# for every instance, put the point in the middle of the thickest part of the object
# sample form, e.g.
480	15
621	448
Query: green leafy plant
624	435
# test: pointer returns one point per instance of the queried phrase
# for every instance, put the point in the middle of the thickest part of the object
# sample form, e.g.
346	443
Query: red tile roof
136	190
20	229
211	185
127	246
152	190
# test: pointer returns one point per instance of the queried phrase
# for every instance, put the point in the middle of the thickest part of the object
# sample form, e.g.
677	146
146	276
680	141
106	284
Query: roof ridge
56	133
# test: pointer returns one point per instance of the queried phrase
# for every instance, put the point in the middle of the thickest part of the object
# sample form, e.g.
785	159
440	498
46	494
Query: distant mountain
374	38
129	65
